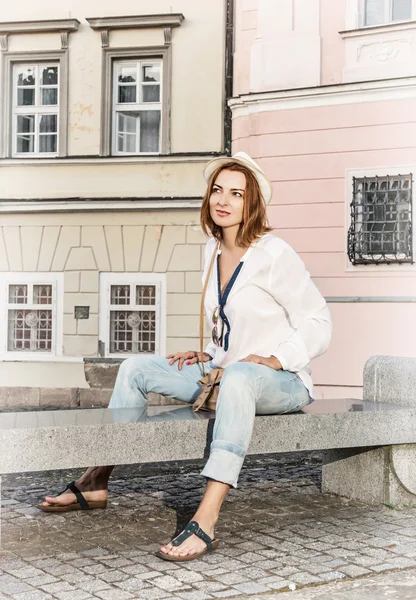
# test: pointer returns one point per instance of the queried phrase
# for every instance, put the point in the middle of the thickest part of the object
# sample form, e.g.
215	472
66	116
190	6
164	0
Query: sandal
191	529
82	504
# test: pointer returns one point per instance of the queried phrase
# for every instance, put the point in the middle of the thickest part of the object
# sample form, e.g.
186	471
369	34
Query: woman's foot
93	485
194	544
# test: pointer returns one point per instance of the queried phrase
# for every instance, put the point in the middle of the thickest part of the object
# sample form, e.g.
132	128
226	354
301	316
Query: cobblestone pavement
278	534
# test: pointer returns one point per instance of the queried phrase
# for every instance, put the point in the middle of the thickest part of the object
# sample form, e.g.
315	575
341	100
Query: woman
269	321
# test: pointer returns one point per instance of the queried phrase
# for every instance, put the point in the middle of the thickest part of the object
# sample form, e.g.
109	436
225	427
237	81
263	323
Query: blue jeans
246	389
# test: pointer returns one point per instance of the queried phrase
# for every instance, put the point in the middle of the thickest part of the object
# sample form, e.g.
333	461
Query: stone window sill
374	30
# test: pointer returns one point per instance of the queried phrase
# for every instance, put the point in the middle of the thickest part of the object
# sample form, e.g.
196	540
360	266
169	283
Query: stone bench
370	444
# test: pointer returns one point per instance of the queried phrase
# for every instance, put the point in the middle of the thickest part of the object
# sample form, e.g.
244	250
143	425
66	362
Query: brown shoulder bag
210	383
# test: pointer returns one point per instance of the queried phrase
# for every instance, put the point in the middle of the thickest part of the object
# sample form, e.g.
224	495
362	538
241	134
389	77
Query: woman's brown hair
254	223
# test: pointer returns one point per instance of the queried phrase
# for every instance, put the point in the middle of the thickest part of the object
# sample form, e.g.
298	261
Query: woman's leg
137	376
246	389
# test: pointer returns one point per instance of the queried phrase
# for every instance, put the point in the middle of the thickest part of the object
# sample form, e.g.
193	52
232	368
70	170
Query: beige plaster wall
83	245
197	64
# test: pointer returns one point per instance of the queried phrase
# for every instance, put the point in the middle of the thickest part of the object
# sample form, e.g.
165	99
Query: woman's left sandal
192	528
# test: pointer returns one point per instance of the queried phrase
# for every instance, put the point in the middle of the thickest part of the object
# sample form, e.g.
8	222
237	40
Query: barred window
381	220
130	314
30	317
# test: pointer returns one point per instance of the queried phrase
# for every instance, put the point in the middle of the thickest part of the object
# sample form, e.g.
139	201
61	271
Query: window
131	318
137	106
35	109
380	12
31	314
381	220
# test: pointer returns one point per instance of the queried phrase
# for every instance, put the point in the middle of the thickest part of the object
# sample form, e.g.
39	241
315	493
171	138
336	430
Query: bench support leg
384	475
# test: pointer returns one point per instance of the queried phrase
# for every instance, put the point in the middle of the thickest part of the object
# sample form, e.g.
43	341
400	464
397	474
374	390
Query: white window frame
31	279
109	279
137	106
7	86
38	110
373	172
355	18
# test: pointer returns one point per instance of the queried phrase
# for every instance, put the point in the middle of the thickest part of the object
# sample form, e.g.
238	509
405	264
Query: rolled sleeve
306	309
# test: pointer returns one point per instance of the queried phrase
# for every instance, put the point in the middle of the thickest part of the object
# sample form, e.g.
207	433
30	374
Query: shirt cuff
210	349
292	357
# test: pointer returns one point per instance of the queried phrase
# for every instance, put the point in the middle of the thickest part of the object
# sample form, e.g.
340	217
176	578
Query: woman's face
227	199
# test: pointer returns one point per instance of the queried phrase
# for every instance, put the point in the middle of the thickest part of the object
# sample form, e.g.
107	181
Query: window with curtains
137	106
381	12
35	106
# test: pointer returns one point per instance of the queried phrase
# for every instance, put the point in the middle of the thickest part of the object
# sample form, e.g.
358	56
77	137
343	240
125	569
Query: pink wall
308	153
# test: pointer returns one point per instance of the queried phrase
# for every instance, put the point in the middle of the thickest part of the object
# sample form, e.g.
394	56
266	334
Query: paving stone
74	595
169	583
11	585
114	594
304	578
353	570
41	580
251	587
266	544
331	576
382	567
193	595
56	588
25	572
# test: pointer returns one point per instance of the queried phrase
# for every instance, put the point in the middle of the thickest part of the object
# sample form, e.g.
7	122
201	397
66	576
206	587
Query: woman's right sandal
192	528
81	503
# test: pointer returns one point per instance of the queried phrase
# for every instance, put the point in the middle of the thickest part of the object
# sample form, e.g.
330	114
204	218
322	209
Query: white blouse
274	309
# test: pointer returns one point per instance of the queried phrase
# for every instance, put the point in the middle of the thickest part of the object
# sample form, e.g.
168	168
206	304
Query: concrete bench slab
370	445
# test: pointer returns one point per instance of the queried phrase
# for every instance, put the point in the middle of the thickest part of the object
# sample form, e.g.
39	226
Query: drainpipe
229	50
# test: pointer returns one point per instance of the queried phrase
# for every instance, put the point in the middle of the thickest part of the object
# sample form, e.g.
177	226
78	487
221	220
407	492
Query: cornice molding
62	26
44	26
136	22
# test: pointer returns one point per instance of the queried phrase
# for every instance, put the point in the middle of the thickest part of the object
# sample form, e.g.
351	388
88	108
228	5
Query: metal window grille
30	328
381	220
133	330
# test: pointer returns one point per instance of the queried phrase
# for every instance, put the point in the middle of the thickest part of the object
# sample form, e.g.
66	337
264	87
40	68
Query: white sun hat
243	159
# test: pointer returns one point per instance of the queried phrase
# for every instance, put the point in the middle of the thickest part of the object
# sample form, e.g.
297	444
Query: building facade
325	99
105	125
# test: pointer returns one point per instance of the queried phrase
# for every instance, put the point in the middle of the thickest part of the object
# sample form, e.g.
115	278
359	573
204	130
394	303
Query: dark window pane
151	73
26	76
25	96
149	131
151	93
128	74
47	143
25	123
49	96
126	93
50	76
48	124
126	142
127	122
25	143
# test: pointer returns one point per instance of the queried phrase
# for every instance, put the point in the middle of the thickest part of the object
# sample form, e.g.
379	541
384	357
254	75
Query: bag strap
201	311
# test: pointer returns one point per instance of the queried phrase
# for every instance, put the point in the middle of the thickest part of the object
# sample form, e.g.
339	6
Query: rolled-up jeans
246	389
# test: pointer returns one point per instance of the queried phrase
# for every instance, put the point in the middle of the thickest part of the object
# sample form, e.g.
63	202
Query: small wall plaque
82	312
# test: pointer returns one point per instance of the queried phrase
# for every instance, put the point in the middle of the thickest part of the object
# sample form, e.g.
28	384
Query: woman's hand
268	361
191	357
